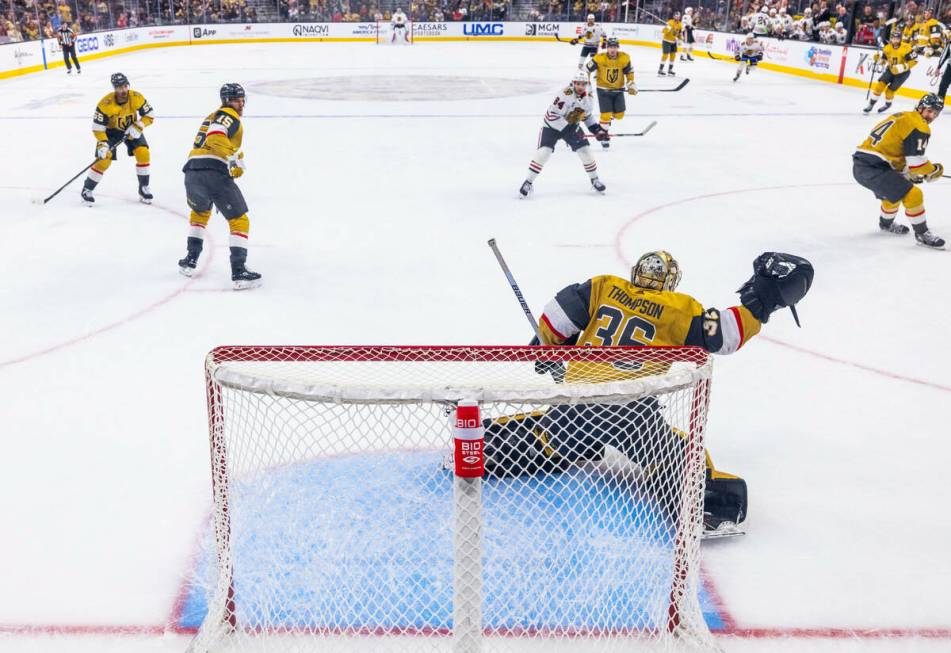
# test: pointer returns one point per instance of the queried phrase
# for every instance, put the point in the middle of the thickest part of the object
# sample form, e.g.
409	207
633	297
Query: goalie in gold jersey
614	77
214	162
891	161
120	117
898	59
643	311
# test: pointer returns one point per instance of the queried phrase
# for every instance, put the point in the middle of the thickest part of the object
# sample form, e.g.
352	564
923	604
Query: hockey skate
884	107
598	186
145	195
670	71
525	190
88	199
722	530
890	226
606	144
244	279
187	265
868	109
736	76
660	71
689	57
928	239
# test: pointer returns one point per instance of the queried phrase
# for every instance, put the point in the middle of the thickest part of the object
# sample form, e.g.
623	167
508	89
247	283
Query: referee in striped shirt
67	40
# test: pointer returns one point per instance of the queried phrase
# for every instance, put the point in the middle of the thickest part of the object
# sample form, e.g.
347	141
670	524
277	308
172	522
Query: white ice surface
369	220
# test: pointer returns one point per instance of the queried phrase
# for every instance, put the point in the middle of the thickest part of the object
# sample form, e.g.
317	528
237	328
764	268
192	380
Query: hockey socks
538	162
590	165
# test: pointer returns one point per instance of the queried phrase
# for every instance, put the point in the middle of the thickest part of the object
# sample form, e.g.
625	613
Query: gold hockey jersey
898	59
110	116
672	30
611	74
901	139
217	141
610	311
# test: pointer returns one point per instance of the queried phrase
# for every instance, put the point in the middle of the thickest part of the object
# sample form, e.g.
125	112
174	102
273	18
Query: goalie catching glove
779	281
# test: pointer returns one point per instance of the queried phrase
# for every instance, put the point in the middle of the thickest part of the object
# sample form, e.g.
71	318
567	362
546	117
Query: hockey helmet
895	35
764	9
590	18
688	10
231	91
118	79
807	11
580	77
612	42
656	271
750	35
931	101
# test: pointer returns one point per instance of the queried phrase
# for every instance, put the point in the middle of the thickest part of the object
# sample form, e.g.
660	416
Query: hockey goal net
459	499
388	34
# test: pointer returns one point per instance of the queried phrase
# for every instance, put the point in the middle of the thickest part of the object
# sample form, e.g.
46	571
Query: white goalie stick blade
724	530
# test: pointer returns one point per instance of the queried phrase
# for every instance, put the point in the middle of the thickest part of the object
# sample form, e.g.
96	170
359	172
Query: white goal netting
389	34
342	521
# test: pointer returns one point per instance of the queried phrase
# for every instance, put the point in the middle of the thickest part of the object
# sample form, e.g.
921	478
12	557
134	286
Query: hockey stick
112	148
561	40
679	86
640	133
515	289
39	200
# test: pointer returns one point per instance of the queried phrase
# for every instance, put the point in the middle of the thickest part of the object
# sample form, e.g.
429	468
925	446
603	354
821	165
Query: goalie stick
640	133
515	289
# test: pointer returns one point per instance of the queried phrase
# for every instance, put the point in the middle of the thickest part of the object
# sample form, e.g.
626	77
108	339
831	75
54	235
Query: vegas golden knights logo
612	75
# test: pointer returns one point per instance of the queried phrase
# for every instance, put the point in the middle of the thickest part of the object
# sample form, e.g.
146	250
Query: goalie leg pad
724	500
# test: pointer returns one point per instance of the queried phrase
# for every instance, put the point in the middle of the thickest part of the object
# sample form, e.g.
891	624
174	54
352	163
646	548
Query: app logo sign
819	58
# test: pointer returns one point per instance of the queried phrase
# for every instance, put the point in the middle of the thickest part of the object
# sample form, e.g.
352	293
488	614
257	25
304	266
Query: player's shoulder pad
107	100
568	91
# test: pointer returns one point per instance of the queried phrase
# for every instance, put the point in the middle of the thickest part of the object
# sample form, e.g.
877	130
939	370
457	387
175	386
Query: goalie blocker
594	313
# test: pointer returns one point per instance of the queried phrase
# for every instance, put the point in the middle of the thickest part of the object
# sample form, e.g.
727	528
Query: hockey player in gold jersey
891	161
214	162
644	311
898	59
668	44
614	77
120	117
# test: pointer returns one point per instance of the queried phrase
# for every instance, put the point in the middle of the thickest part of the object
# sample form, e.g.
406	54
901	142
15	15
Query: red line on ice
619	251
118	323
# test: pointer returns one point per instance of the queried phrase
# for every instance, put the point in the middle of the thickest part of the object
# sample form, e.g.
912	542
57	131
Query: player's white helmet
688	10
807	11
590	18
764	9
580	77
656	271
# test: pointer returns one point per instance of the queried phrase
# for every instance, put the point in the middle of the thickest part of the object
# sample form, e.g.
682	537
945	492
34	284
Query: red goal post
349	417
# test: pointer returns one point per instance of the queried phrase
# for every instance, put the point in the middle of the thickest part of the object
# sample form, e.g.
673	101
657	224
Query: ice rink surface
375	177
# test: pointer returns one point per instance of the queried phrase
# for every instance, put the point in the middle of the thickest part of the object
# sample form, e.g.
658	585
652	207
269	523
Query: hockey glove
631	88
237	166
574	41
936	173
736	56
134	131
599	132
575	116
103	151
779	280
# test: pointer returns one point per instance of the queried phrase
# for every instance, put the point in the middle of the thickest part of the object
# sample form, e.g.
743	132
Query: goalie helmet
231	91
656	271
931	101
118	79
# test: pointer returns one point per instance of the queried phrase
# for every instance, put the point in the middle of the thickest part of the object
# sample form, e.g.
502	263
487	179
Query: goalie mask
656	271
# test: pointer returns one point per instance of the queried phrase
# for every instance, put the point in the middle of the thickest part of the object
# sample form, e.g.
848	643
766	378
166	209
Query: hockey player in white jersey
591	37
688	38
748	53
571	107
398	22
759	23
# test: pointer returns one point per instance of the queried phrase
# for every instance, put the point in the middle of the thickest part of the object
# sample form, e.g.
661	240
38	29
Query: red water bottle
469	440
